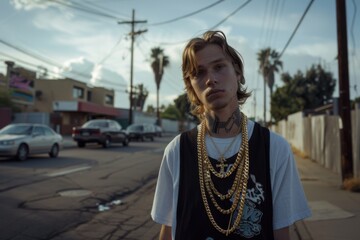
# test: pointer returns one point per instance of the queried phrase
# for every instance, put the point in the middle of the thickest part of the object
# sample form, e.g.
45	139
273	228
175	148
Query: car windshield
135	128
17	130
95	124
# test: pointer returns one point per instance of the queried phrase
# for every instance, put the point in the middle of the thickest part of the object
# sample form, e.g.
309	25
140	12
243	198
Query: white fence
32	117
318	137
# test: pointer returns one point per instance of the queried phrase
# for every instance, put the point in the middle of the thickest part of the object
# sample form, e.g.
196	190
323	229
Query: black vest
192	222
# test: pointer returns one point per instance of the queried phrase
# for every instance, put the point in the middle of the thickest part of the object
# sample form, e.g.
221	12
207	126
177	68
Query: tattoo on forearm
234	119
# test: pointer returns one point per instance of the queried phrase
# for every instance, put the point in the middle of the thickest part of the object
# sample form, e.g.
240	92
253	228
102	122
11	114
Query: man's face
216	82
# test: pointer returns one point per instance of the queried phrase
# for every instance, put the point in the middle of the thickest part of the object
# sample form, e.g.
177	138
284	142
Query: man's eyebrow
218	60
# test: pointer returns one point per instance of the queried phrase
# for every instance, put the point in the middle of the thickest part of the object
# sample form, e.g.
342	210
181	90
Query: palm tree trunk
157	108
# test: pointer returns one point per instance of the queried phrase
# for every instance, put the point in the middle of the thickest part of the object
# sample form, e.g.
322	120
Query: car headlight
7	142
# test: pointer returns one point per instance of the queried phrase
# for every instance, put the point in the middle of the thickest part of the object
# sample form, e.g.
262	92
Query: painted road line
68	171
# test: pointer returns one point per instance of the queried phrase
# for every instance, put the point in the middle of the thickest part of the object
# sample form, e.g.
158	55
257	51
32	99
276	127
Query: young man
229	178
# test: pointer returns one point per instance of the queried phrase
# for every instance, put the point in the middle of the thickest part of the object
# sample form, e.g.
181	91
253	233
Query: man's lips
213	91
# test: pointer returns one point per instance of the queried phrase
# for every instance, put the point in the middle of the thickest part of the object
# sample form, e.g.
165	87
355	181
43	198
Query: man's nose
211	78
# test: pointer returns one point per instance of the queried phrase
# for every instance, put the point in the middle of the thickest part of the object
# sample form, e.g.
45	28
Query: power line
87	10
32	54
296	28
263	23
97	7
215	26
227	17
187	15
50	72
282	3
43	59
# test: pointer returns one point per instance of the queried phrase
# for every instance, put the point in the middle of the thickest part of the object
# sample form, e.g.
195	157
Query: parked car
141	131
20	140
158	130
101	131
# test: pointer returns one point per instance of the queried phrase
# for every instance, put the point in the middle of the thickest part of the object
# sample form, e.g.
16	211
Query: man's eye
199	73
219	67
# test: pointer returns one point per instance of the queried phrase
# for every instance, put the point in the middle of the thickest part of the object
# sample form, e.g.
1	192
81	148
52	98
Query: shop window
109	99
78	92
89	96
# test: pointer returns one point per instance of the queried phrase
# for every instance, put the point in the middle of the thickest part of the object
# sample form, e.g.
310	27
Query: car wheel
107	142
54	152
126	141
22	152
81	144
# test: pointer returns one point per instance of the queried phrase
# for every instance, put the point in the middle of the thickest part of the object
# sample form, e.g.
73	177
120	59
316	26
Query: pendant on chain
222	165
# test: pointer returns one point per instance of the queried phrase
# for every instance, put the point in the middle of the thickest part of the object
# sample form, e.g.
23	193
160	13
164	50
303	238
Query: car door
115	131
37	141
49	139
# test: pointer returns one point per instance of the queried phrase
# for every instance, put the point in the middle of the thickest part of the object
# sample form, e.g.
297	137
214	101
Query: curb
302	231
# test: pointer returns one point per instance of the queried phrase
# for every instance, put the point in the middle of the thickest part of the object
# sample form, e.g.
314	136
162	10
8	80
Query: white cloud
327	50
67	64
31	4
64	22
96	74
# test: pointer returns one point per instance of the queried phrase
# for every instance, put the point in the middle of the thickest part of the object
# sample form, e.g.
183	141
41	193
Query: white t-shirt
289	201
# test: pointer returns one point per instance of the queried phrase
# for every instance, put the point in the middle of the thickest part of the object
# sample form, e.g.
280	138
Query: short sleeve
289	200
162	209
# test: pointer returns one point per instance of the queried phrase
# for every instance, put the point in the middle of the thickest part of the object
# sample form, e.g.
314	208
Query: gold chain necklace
239	186
222	159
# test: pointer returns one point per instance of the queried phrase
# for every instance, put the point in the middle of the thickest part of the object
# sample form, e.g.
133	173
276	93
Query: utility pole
344	96
132	34
265	125
10	65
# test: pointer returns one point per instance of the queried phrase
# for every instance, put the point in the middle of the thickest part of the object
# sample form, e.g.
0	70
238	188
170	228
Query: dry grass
299	153
352	184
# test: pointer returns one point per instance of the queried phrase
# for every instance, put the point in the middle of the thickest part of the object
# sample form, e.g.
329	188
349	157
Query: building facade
73	102
69	102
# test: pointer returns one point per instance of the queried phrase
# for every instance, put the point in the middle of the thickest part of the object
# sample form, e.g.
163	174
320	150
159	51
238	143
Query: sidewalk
335	212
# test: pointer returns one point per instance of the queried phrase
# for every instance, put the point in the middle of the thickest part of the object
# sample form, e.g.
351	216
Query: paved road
34	207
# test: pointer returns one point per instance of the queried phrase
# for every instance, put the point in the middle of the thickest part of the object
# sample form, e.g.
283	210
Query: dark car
101	131
20	140
141	131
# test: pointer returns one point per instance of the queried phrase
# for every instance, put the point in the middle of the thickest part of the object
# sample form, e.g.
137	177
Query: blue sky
96	46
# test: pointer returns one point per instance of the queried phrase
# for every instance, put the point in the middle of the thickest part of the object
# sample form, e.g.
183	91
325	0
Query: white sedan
23	139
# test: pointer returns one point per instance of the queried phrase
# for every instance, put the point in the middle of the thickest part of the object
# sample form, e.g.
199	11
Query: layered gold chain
238	189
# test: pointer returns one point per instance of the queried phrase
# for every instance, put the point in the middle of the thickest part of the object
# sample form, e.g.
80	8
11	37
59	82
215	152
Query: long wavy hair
189	67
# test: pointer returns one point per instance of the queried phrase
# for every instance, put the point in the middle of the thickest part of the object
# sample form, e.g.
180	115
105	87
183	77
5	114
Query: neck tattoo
234	119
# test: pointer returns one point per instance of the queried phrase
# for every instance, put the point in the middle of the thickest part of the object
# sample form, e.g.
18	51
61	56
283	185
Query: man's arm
165	233
281	234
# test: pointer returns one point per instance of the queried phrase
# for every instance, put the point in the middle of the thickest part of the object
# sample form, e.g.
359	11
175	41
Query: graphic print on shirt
250	224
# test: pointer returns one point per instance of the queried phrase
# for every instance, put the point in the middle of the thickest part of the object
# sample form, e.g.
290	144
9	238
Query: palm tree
140	96
158	62
269	64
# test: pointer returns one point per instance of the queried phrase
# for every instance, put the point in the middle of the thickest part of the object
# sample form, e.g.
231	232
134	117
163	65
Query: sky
88	40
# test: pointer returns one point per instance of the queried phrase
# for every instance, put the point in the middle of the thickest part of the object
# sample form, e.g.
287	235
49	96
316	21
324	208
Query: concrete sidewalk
335	212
